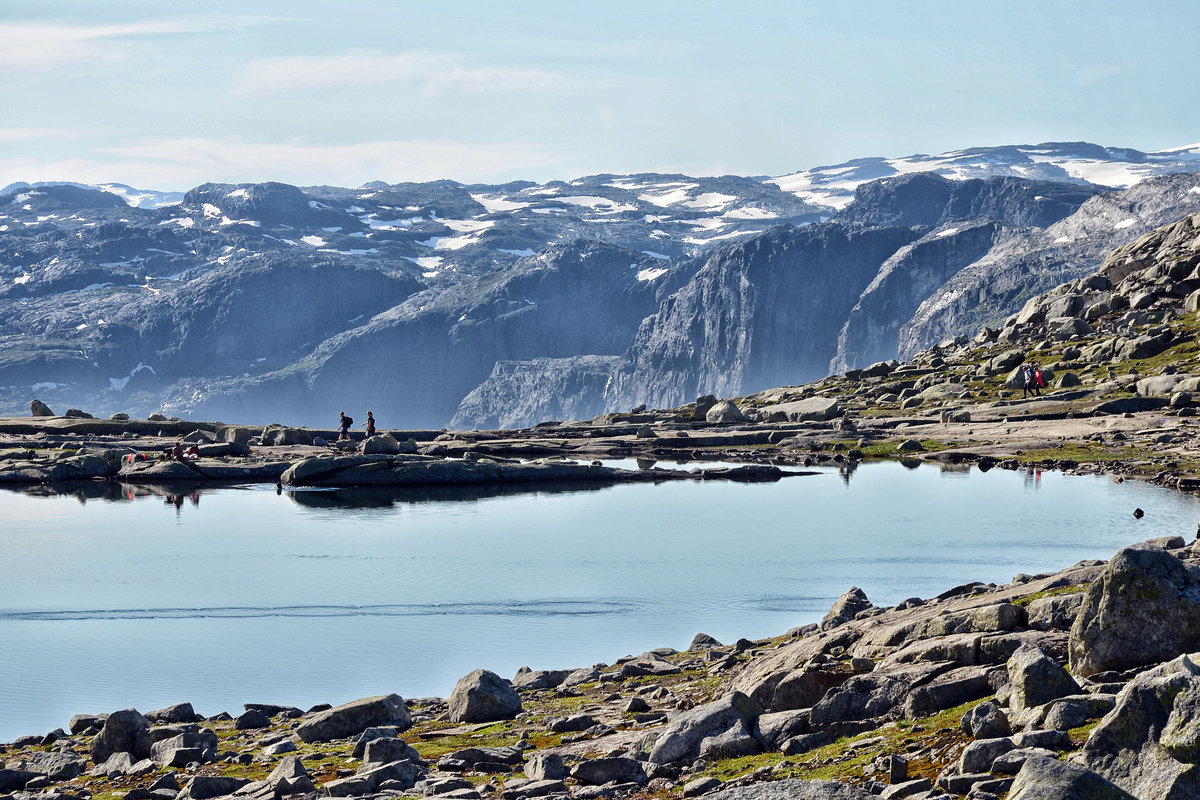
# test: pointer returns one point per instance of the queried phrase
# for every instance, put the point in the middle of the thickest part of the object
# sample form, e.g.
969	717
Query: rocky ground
1079	684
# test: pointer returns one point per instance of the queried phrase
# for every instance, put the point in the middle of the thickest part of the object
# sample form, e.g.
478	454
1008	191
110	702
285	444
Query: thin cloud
434	73
31	134
184	163
47	45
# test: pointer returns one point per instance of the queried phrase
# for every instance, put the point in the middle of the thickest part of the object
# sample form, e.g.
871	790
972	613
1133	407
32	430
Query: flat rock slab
812	409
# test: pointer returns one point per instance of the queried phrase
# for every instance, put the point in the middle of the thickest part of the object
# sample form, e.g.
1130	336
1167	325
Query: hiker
1026	381
1039	382
344	426
370	423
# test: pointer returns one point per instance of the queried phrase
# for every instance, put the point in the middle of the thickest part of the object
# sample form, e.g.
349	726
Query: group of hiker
1032	380
345	422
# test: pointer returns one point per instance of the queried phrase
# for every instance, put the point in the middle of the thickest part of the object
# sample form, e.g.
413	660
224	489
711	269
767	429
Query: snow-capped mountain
138	198
268	301
1070	162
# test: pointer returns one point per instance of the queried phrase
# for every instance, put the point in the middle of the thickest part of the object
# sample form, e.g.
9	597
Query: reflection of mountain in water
387	497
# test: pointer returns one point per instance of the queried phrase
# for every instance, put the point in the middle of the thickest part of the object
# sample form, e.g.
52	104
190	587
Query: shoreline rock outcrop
955	695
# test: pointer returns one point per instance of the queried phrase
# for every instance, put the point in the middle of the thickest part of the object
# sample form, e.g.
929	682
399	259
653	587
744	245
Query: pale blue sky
167	95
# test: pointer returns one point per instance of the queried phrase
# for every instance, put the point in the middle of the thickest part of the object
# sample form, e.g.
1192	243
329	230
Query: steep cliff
971	218
1019	268
757	314
413	364
522	393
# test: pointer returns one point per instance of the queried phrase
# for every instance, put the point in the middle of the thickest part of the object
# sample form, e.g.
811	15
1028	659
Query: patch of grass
1074	588
1084	452
1080	735
730	768
499	735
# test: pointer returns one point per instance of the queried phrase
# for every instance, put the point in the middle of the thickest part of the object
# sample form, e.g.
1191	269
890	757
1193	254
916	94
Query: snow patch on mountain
1077	162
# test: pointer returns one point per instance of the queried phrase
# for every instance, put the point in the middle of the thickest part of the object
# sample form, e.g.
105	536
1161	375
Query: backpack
348	421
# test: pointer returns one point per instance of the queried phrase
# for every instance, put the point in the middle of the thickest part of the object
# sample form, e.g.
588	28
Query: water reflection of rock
388	497
115	492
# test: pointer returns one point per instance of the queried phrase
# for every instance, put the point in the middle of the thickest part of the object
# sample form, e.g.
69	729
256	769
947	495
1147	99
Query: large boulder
184	748
1149	744
290	777
57	765
12	780
203	787
351	719
39	409
1051	779
527	678
483	696
986	721
979	754
123	732
874	694
545	767
1144	609
598	771
386	750
804	688
383	443
1056	612
948	690
811	409
722	728
180	712
724	412
772	730
1037	679
846	607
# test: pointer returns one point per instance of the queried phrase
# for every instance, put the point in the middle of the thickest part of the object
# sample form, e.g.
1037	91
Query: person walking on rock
370	423
1026	381
1038	381
344	426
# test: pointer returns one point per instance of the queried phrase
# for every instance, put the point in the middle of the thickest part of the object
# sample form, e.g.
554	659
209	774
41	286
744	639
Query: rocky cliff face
1019	268
962	221
906	279
758	314
413	363
522	393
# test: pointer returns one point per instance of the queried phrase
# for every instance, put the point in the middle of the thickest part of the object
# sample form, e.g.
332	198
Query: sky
168	95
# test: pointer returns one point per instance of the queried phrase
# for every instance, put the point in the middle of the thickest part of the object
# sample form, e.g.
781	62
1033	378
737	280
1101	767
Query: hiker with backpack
344	426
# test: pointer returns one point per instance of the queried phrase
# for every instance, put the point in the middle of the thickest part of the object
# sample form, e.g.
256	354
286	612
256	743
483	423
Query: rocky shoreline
1080	683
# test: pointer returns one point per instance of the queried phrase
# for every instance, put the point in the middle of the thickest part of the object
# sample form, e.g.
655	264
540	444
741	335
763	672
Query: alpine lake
116	596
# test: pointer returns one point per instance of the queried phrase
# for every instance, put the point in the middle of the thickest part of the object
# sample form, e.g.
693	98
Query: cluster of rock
1119	724
1146	283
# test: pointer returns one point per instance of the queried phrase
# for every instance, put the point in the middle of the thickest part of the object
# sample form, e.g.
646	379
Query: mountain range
440	303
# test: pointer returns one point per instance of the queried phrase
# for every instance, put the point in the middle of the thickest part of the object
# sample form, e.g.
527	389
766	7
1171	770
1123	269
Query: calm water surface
240	595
